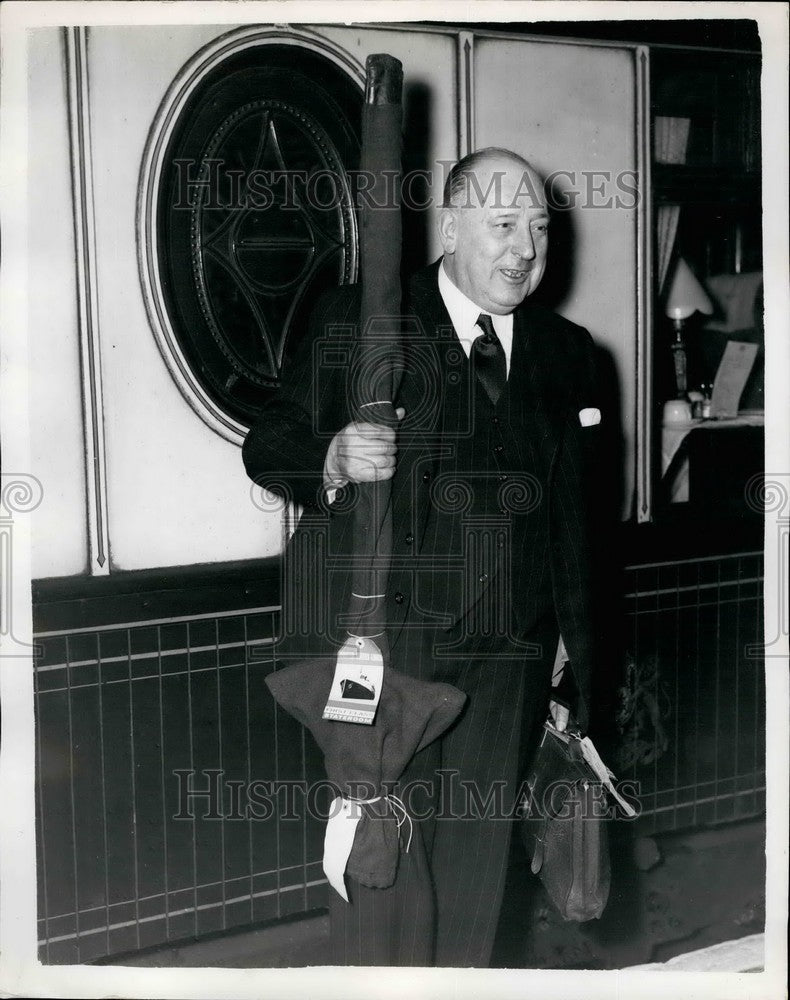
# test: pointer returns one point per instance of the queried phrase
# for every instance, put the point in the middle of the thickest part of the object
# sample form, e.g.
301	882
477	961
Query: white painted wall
59	525
177	491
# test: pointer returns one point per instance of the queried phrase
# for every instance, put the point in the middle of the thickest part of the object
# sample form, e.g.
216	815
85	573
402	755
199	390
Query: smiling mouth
513	274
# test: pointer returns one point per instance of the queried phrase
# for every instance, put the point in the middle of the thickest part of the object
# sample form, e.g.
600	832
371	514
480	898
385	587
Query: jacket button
498	449
482	578
426	477
503	477
409	538
494	420
399	598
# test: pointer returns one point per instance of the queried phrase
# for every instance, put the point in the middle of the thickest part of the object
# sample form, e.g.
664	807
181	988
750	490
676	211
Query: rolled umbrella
403	714
373	385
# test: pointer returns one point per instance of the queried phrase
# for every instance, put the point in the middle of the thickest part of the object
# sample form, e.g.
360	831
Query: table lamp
686	296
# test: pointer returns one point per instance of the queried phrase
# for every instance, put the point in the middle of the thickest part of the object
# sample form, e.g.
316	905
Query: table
675	467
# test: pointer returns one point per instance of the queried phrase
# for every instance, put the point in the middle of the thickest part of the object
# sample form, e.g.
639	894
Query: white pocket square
589	416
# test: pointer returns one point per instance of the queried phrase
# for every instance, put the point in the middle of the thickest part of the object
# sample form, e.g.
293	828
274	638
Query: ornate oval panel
253	220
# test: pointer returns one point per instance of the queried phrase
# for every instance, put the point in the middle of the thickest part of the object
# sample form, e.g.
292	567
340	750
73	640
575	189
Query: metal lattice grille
695	738
120	710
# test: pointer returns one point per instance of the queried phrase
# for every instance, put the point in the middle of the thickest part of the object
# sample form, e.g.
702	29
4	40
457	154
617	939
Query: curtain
670	138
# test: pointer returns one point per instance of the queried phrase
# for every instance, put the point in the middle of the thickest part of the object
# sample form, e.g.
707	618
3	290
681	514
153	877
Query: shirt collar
464	312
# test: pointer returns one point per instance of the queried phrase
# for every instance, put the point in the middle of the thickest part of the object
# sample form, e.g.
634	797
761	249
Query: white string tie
395	804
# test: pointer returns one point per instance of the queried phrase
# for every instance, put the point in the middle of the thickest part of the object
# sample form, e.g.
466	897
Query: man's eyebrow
510	212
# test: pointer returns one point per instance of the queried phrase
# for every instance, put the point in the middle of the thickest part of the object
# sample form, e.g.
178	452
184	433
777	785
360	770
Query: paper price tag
356	685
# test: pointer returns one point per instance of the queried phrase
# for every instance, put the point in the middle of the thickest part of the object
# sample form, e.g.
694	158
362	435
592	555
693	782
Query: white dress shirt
463	313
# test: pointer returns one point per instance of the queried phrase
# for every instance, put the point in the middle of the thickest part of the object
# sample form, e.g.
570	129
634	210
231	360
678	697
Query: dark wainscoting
147	674
144	676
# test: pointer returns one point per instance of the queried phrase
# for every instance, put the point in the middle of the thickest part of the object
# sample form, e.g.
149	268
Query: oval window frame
168	115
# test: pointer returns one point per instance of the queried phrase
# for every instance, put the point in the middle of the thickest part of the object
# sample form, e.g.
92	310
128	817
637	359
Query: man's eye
504	225
542	227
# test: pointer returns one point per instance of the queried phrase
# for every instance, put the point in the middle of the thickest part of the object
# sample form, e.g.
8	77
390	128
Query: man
490	559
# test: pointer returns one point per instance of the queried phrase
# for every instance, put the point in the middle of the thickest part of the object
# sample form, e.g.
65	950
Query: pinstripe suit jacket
552	365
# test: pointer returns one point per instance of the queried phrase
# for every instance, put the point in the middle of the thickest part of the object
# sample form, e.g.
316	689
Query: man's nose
523	245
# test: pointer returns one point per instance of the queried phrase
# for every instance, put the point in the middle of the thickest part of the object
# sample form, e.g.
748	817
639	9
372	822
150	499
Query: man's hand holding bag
563	822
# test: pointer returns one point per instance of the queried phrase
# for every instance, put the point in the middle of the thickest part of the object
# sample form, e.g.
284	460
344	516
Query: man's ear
448	229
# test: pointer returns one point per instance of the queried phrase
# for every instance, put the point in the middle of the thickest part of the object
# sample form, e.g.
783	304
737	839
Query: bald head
463	185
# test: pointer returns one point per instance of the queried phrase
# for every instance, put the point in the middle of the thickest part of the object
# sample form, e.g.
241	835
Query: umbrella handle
383	80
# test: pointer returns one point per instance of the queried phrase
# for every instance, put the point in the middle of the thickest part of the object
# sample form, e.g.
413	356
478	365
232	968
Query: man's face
495	239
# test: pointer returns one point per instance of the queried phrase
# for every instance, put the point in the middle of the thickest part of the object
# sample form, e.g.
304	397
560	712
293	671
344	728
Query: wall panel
177	492
572	108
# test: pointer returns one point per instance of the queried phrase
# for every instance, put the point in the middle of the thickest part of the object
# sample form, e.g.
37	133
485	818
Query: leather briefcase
563	825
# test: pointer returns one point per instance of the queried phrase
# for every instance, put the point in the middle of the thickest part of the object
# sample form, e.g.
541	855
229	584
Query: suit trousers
444	906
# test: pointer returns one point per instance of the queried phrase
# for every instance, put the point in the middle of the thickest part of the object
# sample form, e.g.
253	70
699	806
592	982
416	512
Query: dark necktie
488	358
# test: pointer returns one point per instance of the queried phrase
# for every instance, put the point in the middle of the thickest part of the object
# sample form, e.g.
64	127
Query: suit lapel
428	342
536	378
